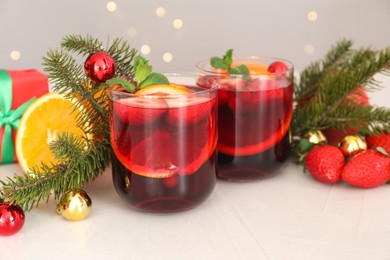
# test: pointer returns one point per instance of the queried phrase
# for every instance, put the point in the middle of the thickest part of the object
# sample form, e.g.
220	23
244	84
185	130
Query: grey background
210	27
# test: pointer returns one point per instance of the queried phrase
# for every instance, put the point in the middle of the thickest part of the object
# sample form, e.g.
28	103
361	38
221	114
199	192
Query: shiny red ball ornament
11	218
100	67
278	67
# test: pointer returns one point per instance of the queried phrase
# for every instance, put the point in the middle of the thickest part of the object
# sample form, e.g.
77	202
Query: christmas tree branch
341	74
311	77
80	158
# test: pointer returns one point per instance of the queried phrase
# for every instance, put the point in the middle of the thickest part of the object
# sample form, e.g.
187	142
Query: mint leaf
124	84
218	63
154	78
228	57
305	145
226	63
242	69
142	69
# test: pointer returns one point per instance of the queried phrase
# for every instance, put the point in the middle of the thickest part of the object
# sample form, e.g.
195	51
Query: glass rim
290	65
214	87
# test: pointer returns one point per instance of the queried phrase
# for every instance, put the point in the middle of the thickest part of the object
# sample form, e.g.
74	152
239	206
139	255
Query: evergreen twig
81	158
323	94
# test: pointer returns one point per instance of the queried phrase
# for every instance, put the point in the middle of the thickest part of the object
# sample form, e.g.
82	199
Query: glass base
253	167
164	195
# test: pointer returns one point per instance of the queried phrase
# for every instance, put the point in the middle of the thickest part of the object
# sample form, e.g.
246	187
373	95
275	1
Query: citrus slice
259	147
166	151
163	89
45	119
254	67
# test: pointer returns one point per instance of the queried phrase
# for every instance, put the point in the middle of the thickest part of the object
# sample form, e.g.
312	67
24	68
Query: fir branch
315	72
123	55
328	104
63	71
73	172
81	45
81	158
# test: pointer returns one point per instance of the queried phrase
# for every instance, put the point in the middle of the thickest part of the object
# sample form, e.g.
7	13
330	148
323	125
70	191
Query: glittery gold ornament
316	137
352	144
74	205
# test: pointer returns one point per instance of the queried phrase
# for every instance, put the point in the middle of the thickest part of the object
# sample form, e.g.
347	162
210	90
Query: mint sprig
226	63
143	76
123	83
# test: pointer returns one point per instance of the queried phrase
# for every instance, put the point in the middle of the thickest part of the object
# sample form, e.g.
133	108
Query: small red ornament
100	67
11	218
278	68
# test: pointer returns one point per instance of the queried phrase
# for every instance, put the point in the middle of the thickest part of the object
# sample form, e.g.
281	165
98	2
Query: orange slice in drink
170	145
44	120
163	89
254	67
258	147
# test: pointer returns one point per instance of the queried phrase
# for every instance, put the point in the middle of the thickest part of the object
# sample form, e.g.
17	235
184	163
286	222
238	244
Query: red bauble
278	67
11	218
359	98
100	67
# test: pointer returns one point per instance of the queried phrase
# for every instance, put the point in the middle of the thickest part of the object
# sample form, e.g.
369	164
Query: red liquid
253	119
165	151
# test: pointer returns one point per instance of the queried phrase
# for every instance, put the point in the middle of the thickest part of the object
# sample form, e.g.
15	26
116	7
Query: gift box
18	88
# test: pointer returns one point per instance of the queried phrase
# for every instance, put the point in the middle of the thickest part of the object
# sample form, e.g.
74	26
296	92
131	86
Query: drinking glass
254	116
165	145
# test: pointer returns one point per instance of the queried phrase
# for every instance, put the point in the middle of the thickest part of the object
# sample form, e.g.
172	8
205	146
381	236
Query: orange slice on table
43	121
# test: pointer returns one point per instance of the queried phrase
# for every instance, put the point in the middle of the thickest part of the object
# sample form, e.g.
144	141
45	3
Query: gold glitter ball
74	205
352	144
316	137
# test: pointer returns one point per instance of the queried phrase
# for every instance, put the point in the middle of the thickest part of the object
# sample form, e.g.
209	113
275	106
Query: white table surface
289	216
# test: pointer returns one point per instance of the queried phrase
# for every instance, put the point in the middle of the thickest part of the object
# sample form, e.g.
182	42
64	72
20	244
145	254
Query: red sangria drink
254	116
164	139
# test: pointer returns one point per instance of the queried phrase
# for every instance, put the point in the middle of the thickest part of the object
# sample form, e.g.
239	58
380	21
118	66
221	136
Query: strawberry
324	162
379	140
367	169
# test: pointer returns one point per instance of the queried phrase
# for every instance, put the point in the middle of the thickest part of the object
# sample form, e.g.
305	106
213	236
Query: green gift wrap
18	88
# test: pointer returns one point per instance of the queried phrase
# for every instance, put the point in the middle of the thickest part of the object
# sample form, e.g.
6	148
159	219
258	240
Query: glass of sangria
164	139
254	115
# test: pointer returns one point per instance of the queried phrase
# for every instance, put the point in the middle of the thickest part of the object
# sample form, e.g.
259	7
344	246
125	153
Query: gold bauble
316	137
74	205
352	144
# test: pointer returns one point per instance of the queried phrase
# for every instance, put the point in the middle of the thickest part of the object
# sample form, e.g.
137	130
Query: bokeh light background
175	34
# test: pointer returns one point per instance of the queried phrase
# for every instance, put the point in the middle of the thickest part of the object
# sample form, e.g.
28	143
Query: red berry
379	140
367	169
324	162
278	68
